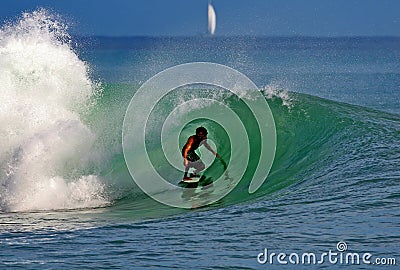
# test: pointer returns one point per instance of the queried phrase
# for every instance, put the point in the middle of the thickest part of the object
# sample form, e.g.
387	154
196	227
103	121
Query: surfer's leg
185	176
191	164
194	161
198	166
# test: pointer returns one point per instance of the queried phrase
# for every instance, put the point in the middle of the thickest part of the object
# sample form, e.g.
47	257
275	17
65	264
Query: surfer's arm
210	149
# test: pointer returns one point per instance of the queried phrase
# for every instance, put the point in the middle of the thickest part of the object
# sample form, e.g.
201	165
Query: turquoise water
68	200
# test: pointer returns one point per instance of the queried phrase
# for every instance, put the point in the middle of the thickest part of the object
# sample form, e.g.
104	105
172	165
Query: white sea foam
44	144
275	90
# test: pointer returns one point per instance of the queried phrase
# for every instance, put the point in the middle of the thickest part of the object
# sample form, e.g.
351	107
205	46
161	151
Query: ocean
68	200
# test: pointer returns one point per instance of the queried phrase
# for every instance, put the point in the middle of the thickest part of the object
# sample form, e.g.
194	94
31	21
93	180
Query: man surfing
190	158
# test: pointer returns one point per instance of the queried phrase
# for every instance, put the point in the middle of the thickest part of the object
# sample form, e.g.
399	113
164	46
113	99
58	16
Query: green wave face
318	140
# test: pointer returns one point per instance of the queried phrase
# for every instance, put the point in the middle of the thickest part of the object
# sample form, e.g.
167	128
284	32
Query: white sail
212	19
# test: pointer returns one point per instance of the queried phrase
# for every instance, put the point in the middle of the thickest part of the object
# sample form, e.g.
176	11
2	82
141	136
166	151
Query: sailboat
212	19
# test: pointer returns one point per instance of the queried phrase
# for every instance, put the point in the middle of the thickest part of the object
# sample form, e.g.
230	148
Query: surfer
190	158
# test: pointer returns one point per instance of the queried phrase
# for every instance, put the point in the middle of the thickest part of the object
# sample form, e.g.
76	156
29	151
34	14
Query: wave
61	132
318	140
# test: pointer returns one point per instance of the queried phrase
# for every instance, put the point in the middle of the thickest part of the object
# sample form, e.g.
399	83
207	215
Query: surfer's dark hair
201	129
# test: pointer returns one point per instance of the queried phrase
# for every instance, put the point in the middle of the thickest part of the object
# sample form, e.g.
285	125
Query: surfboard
195	182
192	180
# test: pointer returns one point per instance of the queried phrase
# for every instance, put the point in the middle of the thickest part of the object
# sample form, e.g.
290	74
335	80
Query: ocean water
67	199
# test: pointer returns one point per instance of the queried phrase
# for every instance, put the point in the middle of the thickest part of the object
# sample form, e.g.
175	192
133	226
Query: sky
234	17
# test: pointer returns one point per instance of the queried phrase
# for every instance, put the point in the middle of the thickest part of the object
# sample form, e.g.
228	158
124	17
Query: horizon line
232	36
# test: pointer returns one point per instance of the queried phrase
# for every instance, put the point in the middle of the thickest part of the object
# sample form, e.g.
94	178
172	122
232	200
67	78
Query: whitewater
45	145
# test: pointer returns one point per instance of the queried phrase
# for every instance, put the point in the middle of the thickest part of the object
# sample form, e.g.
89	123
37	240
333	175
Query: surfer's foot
187	178
194	175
